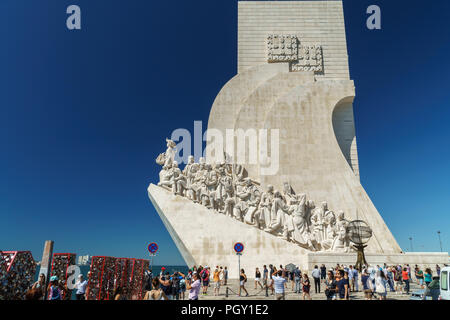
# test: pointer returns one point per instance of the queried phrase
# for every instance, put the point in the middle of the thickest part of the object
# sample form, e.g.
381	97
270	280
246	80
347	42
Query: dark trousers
406	285
317	284
80	296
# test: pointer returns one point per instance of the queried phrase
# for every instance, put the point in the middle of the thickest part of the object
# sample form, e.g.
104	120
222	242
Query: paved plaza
259	294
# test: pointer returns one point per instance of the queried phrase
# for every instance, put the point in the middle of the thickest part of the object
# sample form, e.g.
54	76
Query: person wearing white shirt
278	283
81	285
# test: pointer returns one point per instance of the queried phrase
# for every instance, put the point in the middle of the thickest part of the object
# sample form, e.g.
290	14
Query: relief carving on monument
286	48
282	48
224	189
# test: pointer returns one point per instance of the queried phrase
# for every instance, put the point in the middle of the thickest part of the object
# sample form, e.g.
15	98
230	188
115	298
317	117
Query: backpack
204	274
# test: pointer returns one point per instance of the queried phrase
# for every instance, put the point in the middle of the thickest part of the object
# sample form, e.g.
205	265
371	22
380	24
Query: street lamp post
440	242
410	239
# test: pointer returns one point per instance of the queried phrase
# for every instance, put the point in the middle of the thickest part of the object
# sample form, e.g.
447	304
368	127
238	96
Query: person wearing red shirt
405	278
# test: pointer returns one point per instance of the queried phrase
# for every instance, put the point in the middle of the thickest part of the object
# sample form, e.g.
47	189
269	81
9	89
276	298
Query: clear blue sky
85	113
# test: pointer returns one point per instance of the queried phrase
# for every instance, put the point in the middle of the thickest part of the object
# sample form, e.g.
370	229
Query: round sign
152	248
238	247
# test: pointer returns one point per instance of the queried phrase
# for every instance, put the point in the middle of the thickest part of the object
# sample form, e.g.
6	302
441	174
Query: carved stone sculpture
223	189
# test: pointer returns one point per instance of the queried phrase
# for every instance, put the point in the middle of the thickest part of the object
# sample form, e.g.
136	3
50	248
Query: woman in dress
380	285
306	286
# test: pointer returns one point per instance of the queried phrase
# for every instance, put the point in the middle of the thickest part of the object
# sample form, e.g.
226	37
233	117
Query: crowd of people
336	283
56	289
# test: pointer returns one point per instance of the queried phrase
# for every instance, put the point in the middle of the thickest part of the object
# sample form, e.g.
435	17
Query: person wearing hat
53	289
81	285
161	274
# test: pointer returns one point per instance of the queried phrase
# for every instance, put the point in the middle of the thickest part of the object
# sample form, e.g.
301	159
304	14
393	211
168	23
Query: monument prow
294	204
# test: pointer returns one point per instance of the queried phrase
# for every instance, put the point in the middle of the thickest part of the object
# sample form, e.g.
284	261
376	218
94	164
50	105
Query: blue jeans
391	284
406	285
297	285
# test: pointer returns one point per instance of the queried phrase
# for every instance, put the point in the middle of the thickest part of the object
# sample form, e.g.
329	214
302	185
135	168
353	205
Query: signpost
239	248
152	249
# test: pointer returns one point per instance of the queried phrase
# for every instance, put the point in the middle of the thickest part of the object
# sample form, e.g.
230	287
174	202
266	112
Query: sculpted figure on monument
243	198
165	176
228	194
317	221
188	173
341	241
178	180
212	180
252	214
289	194
301	234
168	156
224	189
204	194
265	207
278	211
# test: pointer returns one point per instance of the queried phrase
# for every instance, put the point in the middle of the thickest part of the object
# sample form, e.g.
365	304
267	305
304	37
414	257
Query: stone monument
293	78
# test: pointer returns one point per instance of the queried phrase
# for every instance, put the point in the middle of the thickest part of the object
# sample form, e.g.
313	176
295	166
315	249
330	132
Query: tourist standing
182	287
54	290
380	281
121	294
438	270
372	275
390	279
353	276
307	286
278	284
155	293
176	278
265	275
316	276
406	278
162	272
216	278
398	282
297	279
258	278
419	277
408	268
40	286
242	281
433	289
365	280
270	280
323	273
342	284
291	279
330	286
204	274
428	276
166	285
225	275
81	285
194	287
